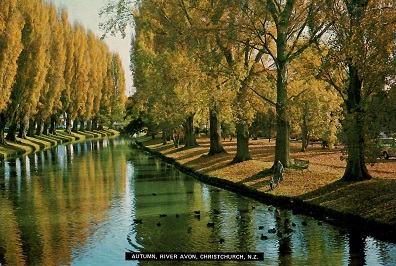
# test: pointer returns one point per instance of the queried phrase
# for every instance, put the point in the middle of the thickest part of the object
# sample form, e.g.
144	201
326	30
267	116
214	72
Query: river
90	203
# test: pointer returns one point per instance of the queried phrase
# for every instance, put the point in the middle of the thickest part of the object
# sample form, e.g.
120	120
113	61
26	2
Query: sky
86	12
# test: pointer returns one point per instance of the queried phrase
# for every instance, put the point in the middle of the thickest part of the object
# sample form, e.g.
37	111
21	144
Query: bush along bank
343	219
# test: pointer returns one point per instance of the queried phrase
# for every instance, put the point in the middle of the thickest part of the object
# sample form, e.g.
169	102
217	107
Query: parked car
388	147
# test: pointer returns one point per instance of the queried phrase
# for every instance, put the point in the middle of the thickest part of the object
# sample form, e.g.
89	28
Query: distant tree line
50	69
320	68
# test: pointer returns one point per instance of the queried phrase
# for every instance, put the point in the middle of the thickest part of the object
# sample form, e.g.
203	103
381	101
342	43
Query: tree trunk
282	149
82	125
46	129
54	125
68	124
75	128
354	120
2	139
39	128
190	139
95	123
304	134
3	123
164	137
215	132
89	125
176	137
11	135
356	169
242	128
22	130
243	153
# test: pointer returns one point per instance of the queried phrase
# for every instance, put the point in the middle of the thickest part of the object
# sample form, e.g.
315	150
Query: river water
90	203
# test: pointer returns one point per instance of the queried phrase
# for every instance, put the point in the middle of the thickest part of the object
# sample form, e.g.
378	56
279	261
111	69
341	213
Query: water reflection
50	206
82	204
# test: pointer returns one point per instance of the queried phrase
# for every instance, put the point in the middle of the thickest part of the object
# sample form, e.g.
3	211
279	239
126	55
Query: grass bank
369	206
29	145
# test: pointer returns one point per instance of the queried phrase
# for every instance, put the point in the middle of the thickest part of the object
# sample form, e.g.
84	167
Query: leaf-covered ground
319	184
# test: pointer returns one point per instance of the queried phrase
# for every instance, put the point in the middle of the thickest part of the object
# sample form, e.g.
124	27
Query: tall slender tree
11	25
49	102
79	81
117	90
32	67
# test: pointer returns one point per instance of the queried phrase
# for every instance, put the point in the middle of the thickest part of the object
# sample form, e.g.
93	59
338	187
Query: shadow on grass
260	175
209	163
39	143
325	191
364	192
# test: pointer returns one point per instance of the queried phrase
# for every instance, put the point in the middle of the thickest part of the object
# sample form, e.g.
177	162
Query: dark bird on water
137	221
263	237
221	241
261	227
159	224
163	215
210	224
288	230
272	231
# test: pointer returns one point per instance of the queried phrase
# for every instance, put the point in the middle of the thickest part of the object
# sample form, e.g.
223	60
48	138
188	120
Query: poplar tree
102	69
79	77
117	90
49	103
32	67
94	77
11	25
69	68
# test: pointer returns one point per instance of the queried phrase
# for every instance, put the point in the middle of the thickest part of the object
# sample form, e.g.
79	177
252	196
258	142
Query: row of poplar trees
51	69
227	58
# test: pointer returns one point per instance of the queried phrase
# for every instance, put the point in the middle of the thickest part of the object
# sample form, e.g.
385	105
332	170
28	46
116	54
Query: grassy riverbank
317	190
29	145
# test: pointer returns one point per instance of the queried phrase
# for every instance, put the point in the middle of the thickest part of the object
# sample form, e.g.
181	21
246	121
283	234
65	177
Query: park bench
302	164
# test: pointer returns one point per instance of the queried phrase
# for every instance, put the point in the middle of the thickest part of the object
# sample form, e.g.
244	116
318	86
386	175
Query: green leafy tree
314	107
284	30
358	65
